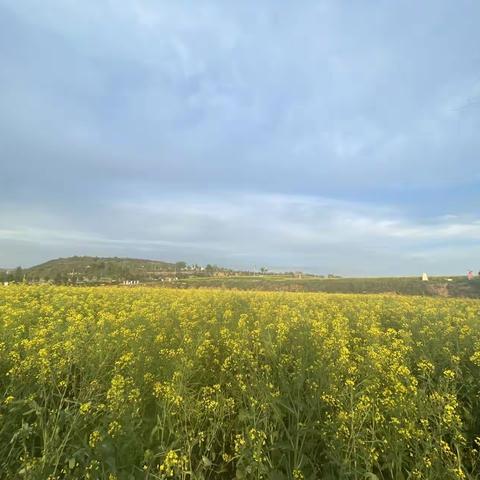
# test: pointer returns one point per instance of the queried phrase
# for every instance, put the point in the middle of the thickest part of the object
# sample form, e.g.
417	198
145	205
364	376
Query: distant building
424	277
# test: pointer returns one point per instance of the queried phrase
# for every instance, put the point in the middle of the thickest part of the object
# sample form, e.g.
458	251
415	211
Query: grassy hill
92	269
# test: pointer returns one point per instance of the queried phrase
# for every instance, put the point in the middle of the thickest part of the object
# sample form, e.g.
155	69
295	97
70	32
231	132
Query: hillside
92	269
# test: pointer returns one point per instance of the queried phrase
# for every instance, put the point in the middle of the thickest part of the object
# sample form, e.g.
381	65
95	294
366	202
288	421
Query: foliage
117	383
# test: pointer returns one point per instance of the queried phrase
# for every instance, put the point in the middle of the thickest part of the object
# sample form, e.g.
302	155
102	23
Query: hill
94	269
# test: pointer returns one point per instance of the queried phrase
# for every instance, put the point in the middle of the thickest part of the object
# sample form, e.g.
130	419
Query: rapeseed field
114	383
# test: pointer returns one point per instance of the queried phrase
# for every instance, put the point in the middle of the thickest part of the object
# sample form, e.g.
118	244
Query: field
115	383
437	286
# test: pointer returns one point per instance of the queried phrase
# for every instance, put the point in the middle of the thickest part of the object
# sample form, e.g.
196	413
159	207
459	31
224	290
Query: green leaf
276	475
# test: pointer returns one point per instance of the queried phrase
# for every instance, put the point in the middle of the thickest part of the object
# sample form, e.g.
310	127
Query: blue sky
327	136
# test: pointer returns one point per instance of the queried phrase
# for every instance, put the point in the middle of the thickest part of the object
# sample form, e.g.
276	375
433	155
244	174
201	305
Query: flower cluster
162	383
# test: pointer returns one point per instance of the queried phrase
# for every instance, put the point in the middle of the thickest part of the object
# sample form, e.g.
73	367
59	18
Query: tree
209	269
263	270
60	278
18	275
180	266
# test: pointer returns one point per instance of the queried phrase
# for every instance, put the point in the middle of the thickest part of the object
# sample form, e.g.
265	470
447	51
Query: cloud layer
322	135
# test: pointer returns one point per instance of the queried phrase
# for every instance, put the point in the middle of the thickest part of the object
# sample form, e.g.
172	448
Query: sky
325	136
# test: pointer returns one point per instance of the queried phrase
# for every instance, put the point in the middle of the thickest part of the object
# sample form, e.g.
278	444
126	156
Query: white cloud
241	229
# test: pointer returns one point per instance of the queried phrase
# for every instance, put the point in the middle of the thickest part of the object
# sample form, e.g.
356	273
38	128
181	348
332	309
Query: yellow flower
450	374
85	408
114	428
172	463
94	438
297	474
